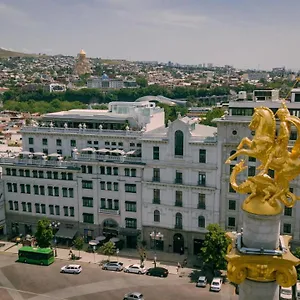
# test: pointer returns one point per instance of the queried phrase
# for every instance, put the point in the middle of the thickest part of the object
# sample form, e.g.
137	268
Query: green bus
34	255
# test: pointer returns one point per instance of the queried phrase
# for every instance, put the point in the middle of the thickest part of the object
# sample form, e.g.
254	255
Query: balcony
109	211
178	226
178	181
178	203
201	183
201	206
156	179
156	201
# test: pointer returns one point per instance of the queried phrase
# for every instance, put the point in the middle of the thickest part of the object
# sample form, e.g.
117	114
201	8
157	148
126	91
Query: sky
243	33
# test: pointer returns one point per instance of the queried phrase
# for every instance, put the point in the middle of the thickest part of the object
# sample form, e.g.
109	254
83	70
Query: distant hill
4	53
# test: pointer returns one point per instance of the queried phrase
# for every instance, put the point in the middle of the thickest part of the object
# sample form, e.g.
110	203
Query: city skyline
245	35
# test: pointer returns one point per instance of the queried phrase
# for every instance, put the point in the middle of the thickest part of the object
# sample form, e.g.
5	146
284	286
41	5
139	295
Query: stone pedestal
253	290
261	231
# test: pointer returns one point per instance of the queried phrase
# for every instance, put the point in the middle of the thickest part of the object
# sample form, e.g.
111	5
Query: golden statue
266	193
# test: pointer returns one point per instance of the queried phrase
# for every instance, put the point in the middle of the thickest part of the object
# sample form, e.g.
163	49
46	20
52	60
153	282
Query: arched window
178	221
201	222
156	216
179	143
233	152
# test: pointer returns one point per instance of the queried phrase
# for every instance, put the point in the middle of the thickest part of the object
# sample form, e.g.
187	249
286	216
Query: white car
72	269
134	296
216	284
113	266
136	269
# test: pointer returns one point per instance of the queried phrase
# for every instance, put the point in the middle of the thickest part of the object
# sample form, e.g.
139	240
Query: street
23	281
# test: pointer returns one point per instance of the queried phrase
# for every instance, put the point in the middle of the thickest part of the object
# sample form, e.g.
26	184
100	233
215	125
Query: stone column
259	232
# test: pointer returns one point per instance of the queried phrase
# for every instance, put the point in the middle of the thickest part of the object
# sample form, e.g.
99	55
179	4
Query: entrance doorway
197	246
178	243
131	242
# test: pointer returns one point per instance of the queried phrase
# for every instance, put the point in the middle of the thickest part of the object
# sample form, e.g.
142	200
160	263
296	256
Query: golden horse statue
272	151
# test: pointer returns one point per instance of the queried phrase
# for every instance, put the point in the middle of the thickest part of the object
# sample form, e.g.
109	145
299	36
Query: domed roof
82	52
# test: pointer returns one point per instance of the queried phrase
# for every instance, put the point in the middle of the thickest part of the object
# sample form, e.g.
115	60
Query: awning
88	150
129	232
66	233
100	238
94	243
114	240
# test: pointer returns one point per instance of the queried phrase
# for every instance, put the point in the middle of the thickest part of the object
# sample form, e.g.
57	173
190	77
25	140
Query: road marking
10	288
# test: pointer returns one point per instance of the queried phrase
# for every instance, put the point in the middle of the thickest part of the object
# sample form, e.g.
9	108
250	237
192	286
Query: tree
108	249
142	81
44	233
78	244
213	114
215	247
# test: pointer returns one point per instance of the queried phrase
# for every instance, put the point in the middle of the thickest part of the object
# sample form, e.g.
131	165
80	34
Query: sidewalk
96	258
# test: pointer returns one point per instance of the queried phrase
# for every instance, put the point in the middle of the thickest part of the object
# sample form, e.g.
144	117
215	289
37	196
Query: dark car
158	272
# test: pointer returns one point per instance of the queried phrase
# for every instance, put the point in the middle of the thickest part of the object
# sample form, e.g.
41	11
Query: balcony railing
178	226
201	183
156	201
178	181
178	203
109	211
109	158
156	179
201	206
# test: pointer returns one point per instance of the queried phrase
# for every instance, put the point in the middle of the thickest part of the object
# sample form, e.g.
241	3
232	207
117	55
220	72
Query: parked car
72	269
202	281
136	269
286	293
216	284
158	272
134	296
113	266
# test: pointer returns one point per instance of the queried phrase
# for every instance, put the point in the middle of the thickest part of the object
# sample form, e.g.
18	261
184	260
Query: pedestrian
178	267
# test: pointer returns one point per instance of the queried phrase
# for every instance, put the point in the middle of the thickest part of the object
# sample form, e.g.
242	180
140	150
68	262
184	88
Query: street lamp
155	236
55	226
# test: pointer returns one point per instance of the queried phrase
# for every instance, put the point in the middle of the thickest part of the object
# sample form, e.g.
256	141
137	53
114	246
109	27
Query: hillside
7	53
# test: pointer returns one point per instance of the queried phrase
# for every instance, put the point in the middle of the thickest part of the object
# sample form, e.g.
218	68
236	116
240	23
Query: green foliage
108	249
142	81
296	252
171	112
78	243
215	113
44	233
215	247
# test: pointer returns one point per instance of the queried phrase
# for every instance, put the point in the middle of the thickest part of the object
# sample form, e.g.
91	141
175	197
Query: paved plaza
23	281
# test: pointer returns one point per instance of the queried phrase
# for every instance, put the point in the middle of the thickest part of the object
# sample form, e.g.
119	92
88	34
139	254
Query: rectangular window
88	218
8	172
70	176
202	156
178	177
231	169
202	179
102	185
64	176
59	151
71	192
9	188
14	172
35	174
11	206
30	141
45	151
41	174
133	172
178	198
116	204
16	205
36	189
87	184
89	169
130	223
251	171
28	189
231	222
57	210
116	171
29	207
108	170
73	143
156	175
31	150
109	204
49	175
37	208
43	208
127	172
15	188
72	211
130	188
55	175
116	186
42	190
27	173
288	211
51	209
231	190
83	169
287	228
58	142
56	191
155	153
66	211
201	201
232	205
87	201
50	191
65	192
22	187
156	196
130	206
21	172
102	203
108	185
45	142
102	170
252	159
24	206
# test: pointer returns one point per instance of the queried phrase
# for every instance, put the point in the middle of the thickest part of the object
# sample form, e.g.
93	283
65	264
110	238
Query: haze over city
246	34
